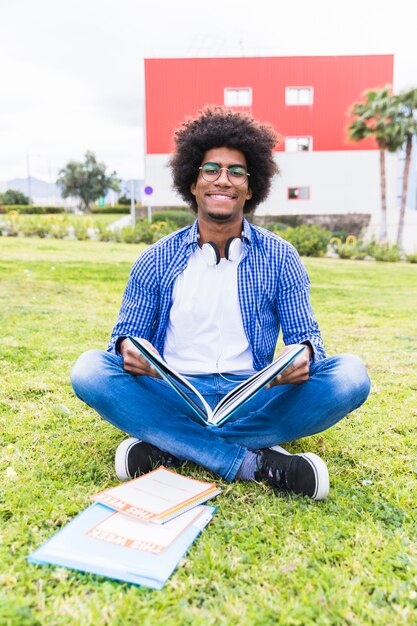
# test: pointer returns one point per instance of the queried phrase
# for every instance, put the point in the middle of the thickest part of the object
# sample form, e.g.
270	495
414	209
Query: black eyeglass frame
213	180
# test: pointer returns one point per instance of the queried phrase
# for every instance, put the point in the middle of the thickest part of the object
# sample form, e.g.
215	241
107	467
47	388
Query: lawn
351	559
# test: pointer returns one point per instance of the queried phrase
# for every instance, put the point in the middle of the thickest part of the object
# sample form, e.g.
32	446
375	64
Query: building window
298	193
241	97
298	144
298	95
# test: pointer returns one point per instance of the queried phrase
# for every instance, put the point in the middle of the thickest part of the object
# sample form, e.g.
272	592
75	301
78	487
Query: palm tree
407	102
376	116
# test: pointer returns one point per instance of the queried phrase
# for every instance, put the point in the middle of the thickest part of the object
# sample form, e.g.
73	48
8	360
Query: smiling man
211	299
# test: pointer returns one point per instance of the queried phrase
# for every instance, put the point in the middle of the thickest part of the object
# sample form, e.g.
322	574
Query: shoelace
276	477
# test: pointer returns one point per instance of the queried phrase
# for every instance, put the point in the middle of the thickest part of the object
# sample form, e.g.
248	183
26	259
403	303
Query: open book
233	400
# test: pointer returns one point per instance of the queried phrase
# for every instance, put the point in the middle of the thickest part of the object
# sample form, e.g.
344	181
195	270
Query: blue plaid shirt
273	286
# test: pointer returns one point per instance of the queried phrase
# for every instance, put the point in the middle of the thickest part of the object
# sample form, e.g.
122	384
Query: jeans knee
84	370
354	373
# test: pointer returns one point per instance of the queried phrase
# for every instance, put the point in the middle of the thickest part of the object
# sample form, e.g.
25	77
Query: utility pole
132	203
28	175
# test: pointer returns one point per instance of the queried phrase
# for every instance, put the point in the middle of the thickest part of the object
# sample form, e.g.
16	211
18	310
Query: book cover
125	530
157	496
75	547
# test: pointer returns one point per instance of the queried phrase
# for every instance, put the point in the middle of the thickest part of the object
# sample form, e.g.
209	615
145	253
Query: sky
72	70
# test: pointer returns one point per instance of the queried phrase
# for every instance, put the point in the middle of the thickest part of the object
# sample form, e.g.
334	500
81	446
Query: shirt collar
193	233
192	238
246	231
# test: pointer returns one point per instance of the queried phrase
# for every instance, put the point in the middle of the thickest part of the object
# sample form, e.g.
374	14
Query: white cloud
72	71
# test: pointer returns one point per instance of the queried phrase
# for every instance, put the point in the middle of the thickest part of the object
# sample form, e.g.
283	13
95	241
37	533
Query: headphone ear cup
233	249
211	253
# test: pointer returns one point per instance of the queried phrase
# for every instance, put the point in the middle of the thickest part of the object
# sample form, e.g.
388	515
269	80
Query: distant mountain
34	186
48	194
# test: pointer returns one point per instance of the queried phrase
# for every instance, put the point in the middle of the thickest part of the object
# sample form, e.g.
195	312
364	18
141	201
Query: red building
307	100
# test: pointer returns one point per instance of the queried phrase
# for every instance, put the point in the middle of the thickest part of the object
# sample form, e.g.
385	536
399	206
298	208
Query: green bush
59	230
277	227
383	252
80	231
12	196
32	227
145	232
411	258
119	209
124	201
142	233
340	234
308	240
178	218
352	251
128	234
163	228
346	252
31	209
104	234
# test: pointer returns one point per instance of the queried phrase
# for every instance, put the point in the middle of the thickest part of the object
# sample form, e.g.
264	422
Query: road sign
148	190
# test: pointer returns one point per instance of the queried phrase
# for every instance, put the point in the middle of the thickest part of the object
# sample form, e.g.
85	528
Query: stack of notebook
136	532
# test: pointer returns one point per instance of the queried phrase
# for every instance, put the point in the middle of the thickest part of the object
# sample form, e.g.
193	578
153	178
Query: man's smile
221	195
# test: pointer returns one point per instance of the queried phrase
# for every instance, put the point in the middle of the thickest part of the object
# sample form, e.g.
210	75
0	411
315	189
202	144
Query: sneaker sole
120	460
319	468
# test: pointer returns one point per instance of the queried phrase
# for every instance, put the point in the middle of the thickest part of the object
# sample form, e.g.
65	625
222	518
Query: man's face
221	200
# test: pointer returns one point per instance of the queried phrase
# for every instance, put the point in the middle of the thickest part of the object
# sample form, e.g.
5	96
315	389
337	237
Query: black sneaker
135	457
306	474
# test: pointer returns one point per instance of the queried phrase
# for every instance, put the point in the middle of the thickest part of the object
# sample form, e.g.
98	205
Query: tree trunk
85	205
408	148
383	221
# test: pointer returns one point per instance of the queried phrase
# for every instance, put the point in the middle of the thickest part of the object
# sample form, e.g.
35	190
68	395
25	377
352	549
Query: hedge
117	209
177	217
30	209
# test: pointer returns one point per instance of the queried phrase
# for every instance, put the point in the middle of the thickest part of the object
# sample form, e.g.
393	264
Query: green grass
351	559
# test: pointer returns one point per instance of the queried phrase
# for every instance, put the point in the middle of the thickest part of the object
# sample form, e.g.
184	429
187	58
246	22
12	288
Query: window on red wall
298	193
298	144
298	95
238	97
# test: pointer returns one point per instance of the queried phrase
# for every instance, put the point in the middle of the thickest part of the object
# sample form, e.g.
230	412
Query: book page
177	382
243	392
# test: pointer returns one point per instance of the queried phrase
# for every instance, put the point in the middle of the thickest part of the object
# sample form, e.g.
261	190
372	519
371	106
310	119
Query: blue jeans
147	408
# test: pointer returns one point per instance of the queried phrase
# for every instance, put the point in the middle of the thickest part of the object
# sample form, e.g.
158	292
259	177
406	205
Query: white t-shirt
205	333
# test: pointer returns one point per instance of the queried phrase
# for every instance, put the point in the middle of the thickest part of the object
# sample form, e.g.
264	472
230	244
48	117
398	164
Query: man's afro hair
216	127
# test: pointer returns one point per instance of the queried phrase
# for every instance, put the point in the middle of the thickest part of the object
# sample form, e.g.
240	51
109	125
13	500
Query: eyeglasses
236	174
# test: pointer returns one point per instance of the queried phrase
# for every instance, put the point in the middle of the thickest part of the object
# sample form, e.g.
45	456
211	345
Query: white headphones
232	251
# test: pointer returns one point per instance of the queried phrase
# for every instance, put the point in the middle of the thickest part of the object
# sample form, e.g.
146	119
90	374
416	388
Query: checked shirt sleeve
294	307
140	302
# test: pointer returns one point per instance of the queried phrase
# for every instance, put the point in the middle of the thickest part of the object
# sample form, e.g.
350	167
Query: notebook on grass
157	496
111	544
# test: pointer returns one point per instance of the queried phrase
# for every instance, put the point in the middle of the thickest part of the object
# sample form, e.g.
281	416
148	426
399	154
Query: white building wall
158	176
339	182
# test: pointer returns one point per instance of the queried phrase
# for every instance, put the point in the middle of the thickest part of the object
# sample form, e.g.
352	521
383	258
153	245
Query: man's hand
297	372
134	362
